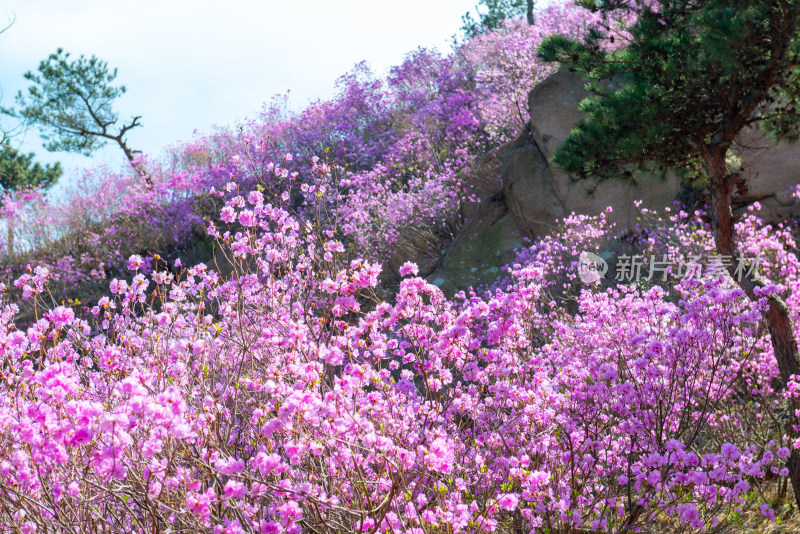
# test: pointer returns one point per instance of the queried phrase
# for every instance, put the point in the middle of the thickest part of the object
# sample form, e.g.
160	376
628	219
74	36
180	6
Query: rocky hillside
268	337
533	197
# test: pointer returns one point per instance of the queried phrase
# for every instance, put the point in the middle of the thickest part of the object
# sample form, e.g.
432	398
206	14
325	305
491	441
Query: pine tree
496	12
72	100
19	170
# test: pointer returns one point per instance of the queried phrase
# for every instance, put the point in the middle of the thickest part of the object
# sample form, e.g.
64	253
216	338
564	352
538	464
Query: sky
190	65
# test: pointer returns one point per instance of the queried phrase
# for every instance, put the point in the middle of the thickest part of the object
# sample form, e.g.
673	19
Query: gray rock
528	196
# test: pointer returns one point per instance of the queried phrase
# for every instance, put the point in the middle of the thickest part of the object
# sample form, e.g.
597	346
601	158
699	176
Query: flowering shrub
287	397
406	145
291	393
507	66
85	233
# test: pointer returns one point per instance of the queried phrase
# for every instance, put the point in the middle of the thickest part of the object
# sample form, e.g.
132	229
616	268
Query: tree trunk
531	20
131	155
777	317
10	238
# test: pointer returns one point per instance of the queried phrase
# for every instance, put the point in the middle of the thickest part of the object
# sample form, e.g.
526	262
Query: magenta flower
60	317
409	268
228	214
508	501
290	513
246	218
234	490
135	262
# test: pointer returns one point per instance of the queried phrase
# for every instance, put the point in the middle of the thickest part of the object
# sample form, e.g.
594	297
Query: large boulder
487	242
772	173
538	194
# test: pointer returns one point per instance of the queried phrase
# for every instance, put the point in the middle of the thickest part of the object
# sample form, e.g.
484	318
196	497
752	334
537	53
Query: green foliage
496	12
18	170
72	101
681	84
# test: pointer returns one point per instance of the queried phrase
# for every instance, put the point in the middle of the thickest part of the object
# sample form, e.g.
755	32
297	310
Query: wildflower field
248	344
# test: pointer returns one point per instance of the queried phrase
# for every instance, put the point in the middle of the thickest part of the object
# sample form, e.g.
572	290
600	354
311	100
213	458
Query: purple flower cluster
287	397
405	148
290	393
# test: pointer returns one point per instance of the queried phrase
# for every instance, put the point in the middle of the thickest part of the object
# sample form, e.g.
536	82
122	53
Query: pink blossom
409	268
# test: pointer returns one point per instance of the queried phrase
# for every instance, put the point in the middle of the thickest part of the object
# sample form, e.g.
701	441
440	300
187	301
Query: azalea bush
507	67
295	390
288	397
84	234
407	146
